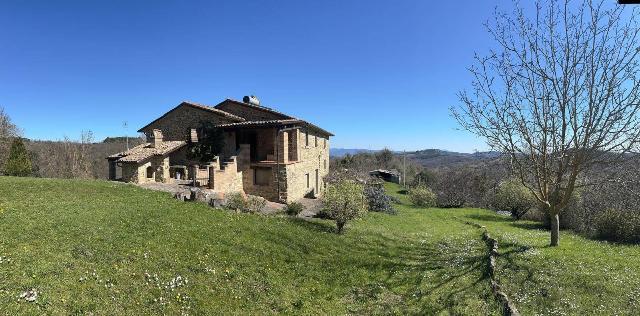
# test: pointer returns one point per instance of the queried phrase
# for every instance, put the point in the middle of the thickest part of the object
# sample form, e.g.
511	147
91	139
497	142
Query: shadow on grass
508	220
315	225
405	275
490	218
529	225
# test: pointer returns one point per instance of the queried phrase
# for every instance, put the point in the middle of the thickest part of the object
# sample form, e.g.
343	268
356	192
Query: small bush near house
293	209
618	226
254	204
422	196
344	201
513	197
377	199
235	202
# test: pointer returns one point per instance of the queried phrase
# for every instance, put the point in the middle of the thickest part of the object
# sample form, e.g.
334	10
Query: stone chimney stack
157	138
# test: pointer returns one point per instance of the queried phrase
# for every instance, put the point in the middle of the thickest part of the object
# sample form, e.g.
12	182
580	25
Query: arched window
149	172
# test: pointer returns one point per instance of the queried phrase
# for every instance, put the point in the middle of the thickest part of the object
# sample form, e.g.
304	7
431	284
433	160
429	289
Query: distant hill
122	139
433	158
430	158
339	152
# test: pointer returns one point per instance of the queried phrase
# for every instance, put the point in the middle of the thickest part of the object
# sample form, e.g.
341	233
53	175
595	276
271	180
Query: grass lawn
108	248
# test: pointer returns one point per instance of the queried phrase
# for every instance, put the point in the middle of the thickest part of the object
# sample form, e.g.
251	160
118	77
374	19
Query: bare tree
76	156
8	131
559	95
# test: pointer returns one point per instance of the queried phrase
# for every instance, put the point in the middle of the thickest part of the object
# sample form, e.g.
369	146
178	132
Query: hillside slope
110	248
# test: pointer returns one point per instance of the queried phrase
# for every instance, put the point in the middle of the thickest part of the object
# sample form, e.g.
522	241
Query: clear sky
375	73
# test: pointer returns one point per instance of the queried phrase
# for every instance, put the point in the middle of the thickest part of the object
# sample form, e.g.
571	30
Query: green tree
19	161
513	197
344	201
210	143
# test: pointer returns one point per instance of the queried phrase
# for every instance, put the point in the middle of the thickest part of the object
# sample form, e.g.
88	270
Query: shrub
254	204
467	185
513	197
19	161
377	199
344	201
293	209
620	226
235	202
422	196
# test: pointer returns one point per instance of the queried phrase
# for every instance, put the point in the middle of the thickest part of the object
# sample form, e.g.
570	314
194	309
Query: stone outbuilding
266	153
387	175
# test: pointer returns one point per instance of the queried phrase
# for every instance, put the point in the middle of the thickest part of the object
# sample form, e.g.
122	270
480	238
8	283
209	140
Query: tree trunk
555	229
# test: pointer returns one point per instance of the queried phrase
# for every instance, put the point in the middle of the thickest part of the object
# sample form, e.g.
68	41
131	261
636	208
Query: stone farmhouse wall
288	179
312	157
137	172
177	124
268	191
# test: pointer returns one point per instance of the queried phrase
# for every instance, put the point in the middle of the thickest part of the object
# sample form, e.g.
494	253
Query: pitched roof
257	107
286	119
197	106
145	151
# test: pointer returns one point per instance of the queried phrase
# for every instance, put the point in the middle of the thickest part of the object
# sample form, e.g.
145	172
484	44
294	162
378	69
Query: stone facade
306	176
266	153
177	123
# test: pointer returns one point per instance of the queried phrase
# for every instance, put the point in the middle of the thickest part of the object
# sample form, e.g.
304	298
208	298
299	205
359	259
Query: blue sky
375	73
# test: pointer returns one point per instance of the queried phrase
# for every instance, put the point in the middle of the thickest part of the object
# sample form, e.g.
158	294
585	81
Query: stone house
265	153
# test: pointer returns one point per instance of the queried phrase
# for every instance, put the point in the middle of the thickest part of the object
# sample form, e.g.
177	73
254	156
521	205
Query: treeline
82	158
68	158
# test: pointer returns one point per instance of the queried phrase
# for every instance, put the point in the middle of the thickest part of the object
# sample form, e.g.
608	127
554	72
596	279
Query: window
261	176
315	140
306	139
307	177
325	143
149	172
325	164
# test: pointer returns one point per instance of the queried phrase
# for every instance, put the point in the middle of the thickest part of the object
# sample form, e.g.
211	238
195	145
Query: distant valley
430	158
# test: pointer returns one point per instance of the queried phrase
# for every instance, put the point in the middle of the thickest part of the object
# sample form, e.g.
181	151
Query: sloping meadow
71	246
111	248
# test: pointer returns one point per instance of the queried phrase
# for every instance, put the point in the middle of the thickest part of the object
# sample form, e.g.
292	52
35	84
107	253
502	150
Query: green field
107	248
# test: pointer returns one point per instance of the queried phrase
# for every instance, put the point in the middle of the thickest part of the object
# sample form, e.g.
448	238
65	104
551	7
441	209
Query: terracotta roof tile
145	151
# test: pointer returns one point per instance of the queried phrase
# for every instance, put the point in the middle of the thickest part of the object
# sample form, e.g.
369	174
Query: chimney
157	138
251	99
